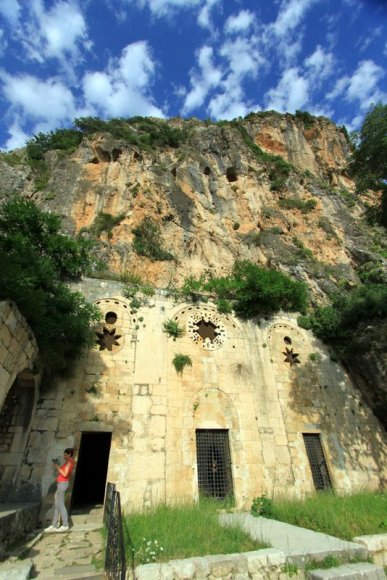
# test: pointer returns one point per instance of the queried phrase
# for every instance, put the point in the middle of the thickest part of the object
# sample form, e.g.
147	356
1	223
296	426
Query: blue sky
219	59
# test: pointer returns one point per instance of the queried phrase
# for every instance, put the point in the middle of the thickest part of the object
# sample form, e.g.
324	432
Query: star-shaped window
107	339
291	357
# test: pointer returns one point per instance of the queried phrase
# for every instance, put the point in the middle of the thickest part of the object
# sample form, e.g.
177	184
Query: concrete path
299	545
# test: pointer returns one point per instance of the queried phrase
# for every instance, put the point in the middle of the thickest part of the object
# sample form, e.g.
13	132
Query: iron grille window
317	461
214	463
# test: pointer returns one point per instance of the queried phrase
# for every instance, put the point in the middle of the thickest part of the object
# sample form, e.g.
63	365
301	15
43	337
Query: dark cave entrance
92	466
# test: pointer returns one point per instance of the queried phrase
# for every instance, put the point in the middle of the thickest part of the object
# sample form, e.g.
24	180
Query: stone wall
15	524
18	348
19	387
267	563
266	386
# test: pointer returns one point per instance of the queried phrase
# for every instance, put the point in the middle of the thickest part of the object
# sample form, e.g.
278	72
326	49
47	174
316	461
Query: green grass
344	517
184	531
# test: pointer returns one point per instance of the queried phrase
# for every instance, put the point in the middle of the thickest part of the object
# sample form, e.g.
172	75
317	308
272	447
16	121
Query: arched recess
117	319
18	347
286	344
210	408
15	425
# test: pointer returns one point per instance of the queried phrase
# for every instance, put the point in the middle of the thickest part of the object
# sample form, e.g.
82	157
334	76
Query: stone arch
210	408
18	347
15	425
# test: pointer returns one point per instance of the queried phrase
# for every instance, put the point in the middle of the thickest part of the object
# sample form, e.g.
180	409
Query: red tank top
66	471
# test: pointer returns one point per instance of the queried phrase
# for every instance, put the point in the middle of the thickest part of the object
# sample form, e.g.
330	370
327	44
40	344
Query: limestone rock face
222	195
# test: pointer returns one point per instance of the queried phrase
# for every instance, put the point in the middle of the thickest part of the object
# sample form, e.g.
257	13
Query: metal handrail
115	560
110	490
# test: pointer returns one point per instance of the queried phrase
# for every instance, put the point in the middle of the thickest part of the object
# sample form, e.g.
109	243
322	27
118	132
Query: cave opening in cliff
231	174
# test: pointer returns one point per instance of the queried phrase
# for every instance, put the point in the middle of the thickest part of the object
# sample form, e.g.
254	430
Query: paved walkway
299	544
70	555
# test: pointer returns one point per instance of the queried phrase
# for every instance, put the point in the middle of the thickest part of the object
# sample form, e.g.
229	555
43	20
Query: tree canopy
36	261
369	164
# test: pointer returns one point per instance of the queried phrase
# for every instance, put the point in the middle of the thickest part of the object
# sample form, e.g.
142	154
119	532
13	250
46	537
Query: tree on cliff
369	164
36	261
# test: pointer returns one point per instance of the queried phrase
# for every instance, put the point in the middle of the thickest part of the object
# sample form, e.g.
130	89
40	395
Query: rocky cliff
270	188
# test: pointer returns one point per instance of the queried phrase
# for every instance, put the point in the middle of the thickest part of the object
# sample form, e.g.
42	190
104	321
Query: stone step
75	573
358	571
19	570
93	518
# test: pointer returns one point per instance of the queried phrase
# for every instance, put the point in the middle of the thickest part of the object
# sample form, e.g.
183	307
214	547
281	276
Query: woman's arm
64	470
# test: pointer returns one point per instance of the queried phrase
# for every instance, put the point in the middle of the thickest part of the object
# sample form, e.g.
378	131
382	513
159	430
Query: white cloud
243	57
239	60
167	7
228	105
290	15
29	96
365	41
202	81
239	23
362	86
204	16
17	136
291	93
10	9
58	33
3	43
320	64
123	89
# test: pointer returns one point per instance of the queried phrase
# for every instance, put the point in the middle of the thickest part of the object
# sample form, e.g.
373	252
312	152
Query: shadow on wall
15	425
323	396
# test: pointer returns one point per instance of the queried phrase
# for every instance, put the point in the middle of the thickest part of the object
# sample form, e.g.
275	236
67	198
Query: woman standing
63	481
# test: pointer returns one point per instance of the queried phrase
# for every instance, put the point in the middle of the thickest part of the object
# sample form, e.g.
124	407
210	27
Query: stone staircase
70	555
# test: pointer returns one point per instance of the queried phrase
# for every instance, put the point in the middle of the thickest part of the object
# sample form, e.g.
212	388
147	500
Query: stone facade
265	387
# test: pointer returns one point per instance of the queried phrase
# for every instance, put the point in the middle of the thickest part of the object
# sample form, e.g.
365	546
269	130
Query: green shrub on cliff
252	291
148	242
337	323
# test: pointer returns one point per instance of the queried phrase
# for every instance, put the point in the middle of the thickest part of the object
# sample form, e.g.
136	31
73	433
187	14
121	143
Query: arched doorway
15	422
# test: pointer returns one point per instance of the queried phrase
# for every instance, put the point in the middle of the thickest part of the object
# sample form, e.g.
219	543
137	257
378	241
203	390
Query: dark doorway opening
214	463
92	466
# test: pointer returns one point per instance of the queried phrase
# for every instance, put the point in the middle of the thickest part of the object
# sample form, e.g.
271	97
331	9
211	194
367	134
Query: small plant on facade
148	552
180	361
314	357
262	506
224	306
135	304
173	329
